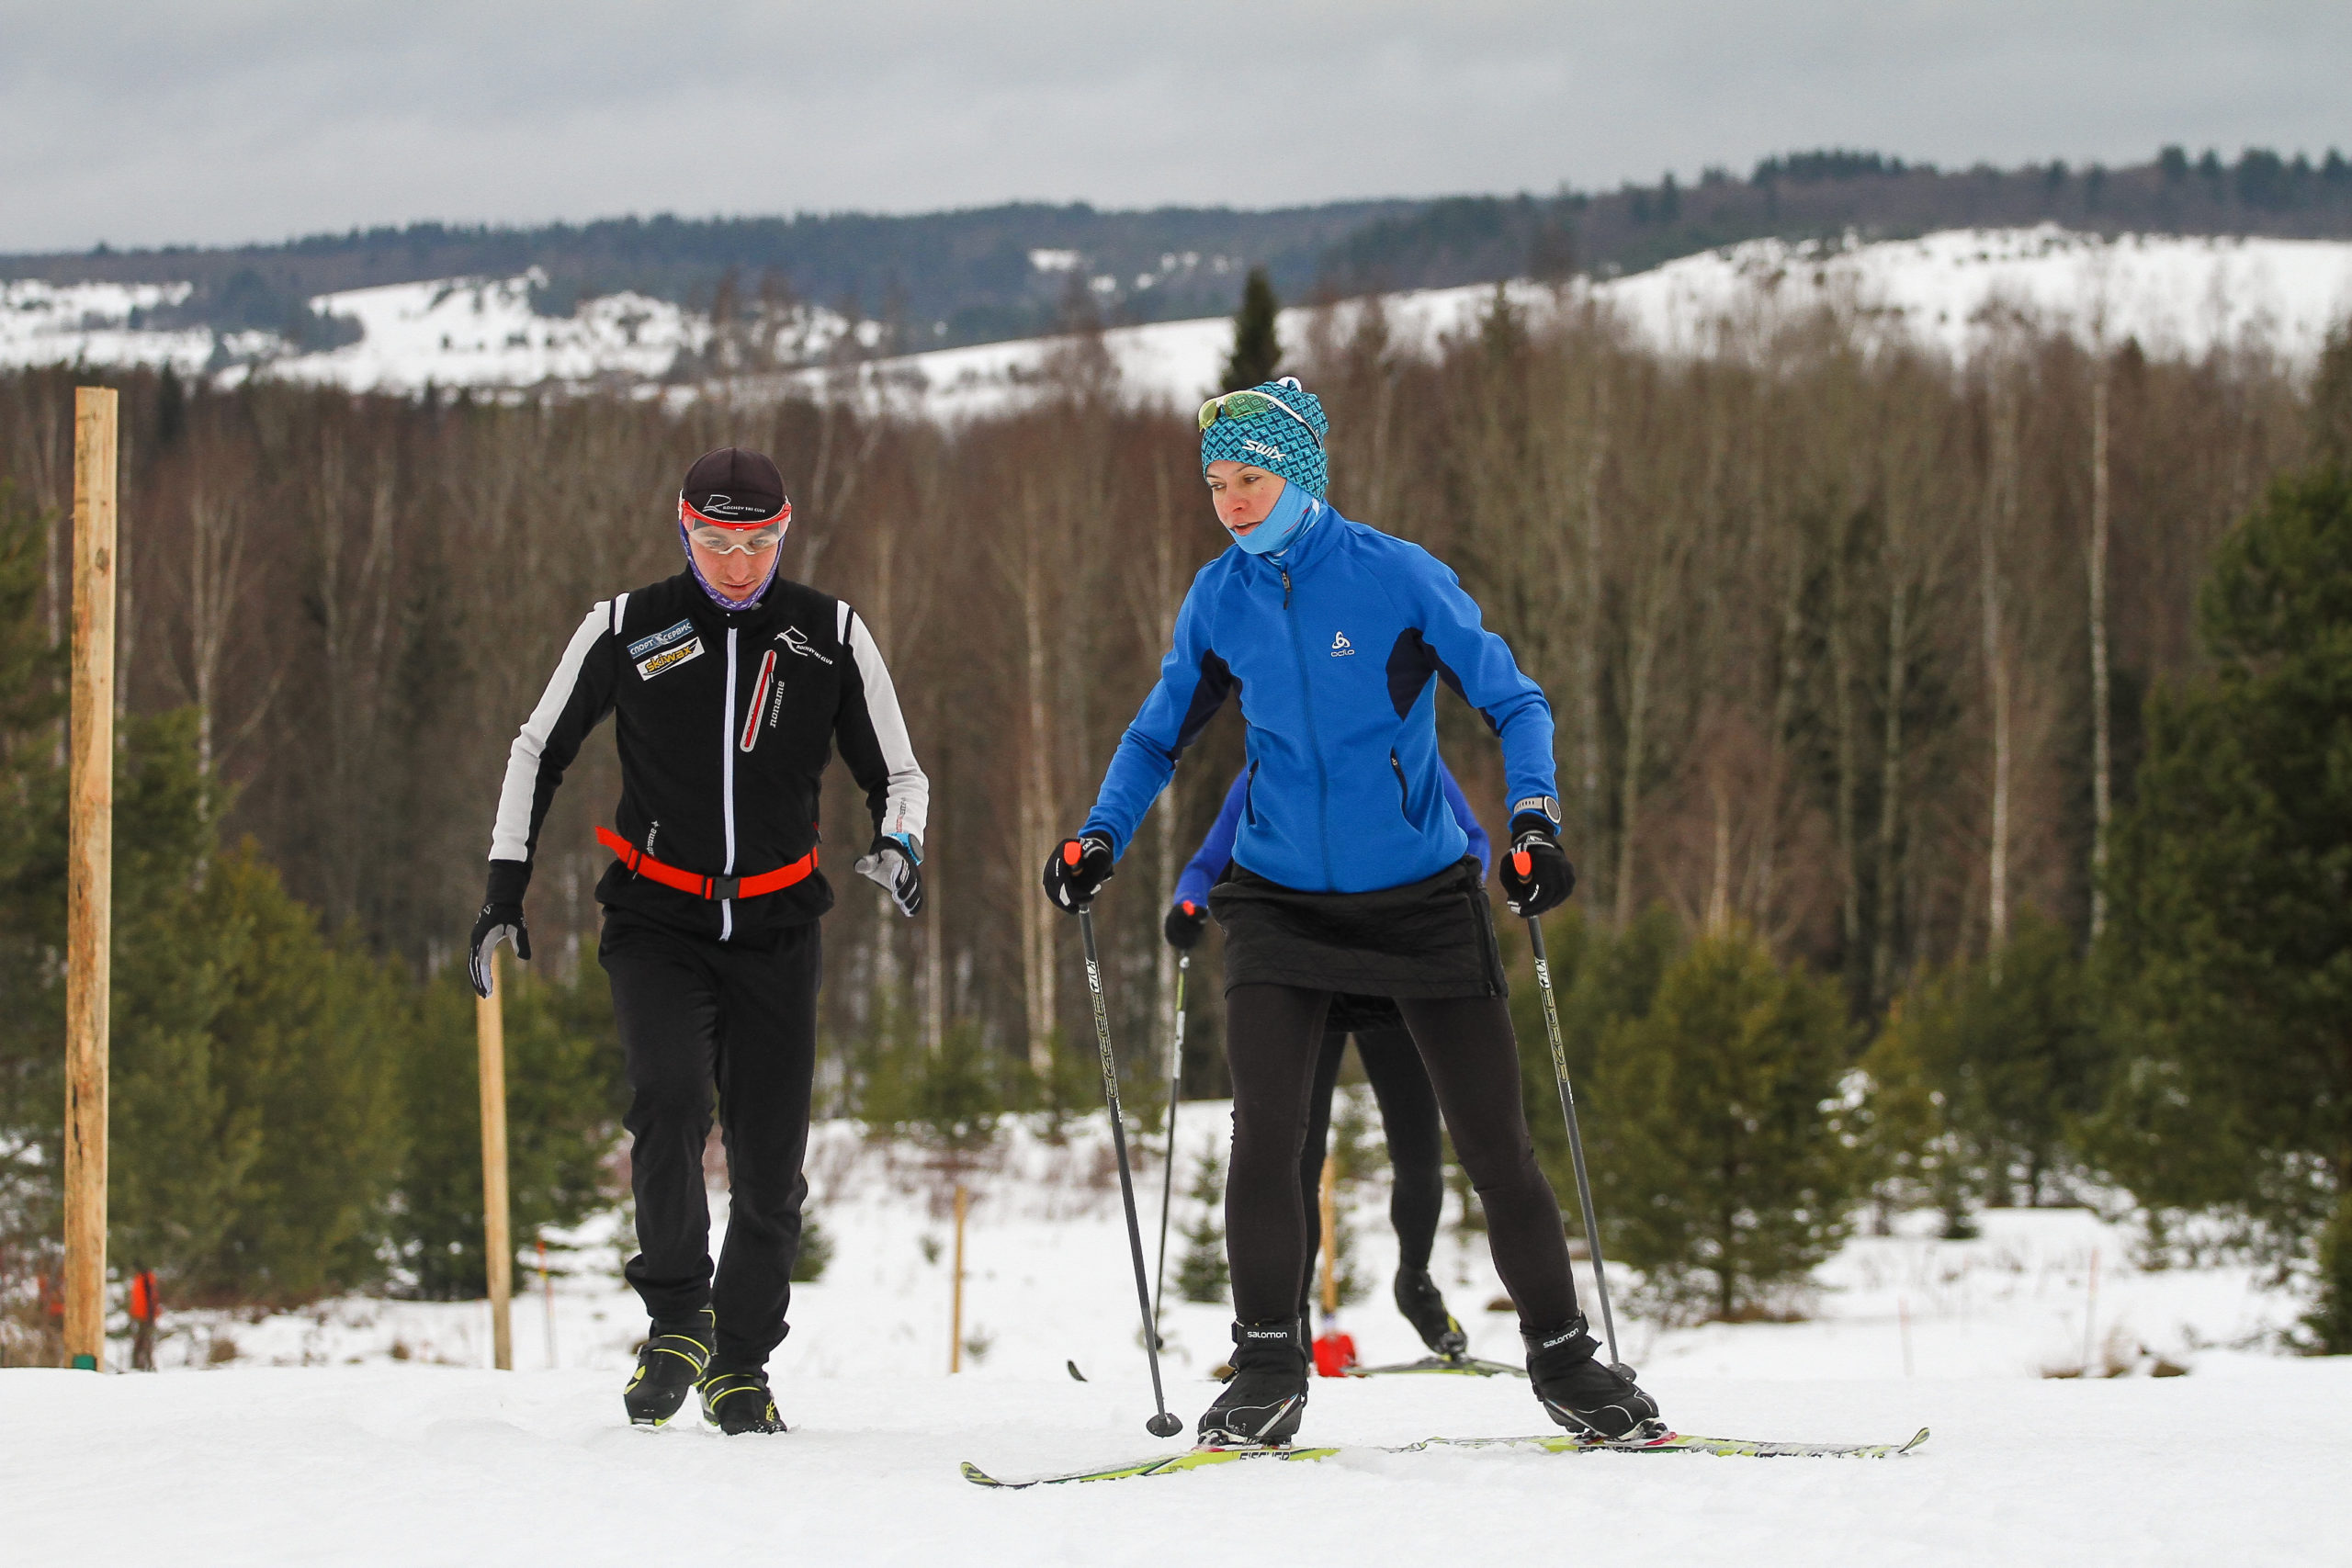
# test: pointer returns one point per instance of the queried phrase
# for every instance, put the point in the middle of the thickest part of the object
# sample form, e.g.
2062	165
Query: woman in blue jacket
1409	1114
1351	876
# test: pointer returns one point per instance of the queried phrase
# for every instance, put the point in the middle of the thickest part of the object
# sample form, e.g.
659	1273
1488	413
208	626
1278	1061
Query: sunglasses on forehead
728	538
1249	405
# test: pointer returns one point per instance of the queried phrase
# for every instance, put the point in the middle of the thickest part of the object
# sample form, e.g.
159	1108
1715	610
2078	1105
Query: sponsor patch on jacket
660	639
650	667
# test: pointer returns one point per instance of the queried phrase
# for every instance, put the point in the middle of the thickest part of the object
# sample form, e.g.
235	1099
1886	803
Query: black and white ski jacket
726	721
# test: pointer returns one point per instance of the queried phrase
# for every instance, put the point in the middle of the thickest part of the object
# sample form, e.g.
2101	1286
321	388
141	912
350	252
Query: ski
1456	1366
1558	1443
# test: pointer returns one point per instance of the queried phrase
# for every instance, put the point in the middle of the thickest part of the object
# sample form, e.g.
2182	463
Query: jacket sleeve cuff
509	879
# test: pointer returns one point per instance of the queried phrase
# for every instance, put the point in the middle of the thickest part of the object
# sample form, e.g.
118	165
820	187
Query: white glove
893	865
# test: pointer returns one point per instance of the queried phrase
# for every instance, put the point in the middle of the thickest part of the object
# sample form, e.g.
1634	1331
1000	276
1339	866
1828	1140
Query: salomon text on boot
1266	1396
1423	1305
737	1402
671	1361
1583	1392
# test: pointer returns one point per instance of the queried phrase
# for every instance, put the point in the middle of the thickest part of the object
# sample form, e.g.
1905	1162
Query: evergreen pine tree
1257	351
2230	949
1723	1102
1202	1274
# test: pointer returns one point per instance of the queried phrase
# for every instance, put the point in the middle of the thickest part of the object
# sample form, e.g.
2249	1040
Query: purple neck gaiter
724	603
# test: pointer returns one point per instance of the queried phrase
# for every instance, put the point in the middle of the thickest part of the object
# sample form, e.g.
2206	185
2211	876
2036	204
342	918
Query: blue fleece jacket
1336	650
1209	861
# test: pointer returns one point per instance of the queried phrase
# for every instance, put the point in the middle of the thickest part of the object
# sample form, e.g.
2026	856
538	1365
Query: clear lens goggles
1249	405
728	538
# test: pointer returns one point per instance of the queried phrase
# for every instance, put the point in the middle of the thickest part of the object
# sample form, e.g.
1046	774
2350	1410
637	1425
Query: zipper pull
1285	571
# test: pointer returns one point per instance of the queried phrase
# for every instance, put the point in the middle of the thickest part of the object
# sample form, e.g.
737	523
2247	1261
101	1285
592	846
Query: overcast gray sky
218	120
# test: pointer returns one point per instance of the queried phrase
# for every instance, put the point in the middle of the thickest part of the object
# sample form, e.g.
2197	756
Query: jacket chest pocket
787	713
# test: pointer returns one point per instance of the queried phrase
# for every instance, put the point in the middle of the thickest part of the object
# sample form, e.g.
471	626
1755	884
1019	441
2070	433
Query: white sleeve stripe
620	610
908	807
510	837
842	614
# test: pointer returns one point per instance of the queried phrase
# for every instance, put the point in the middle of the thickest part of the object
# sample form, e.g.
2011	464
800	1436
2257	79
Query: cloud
233	119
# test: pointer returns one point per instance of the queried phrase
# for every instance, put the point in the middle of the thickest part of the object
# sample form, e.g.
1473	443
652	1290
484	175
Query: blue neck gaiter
1295	511
724	603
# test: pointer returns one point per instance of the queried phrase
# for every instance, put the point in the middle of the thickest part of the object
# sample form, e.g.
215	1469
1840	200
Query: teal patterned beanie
1274	440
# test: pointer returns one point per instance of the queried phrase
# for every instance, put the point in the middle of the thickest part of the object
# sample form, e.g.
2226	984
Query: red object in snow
1334	1353
142	1296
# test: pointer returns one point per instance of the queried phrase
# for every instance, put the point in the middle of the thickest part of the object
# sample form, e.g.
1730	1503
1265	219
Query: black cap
735	485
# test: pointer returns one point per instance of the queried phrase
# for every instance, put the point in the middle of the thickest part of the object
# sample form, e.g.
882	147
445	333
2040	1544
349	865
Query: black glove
893	865
501	920
1076	871
1537	877
1186	922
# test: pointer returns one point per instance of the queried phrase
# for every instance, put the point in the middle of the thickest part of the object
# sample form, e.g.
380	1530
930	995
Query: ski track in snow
344	1452
2185	296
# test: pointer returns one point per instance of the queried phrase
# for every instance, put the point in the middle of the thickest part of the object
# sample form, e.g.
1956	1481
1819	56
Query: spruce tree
2230	951
1257	351
1720	1101
1202	1274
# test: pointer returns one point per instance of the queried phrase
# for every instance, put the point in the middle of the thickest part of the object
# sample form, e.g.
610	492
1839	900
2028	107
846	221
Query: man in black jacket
732	687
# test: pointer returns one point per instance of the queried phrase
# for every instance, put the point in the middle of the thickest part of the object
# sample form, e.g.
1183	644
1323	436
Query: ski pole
1576	1142
1168	1175
1161	1425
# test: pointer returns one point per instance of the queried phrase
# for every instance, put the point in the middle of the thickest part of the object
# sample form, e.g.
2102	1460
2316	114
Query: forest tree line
1849	646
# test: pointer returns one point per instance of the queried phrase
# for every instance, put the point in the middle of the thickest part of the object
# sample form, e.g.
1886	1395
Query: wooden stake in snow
955	1317
89	876
547	1291
2090	1318
1330	1202
498	1246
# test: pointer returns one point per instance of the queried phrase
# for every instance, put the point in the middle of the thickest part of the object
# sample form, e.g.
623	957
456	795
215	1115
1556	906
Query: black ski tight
1408	1118
1274	1039
695	1015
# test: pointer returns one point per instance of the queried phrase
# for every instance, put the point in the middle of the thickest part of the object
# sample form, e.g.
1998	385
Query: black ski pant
1415	1154
696	1014
1273	1042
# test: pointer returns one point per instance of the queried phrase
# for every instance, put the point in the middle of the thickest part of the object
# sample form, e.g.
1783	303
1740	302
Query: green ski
1456	1366
1559	1443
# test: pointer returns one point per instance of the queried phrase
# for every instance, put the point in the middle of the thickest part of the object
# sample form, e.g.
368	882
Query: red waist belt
701	886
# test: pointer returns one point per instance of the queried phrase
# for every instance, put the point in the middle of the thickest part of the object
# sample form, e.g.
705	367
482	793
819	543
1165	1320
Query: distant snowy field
2185	296
394	1447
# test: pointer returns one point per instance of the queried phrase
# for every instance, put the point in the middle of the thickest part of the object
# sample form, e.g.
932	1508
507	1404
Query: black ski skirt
1427	939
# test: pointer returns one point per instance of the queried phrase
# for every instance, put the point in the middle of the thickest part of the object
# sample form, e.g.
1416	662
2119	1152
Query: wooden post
498	1246
547	1291
1330	1203
956	1320
89	894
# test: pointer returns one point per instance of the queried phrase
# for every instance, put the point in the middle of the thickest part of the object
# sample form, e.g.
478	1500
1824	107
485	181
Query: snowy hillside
2185	296
394	1448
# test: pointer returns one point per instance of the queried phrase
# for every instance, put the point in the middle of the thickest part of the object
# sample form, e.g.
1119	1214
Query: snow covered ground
368	1429
2177	295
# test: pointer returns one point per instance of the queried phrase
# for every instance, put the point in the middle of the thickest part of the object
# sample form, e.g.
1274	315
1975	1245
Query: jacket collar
1316	539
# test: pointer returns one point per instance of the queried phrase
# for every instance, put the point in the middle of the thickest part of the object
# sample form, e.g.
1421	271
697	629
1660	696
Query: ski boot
1584	1394
669	1362
737	1402
1423	1305
1266	1396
